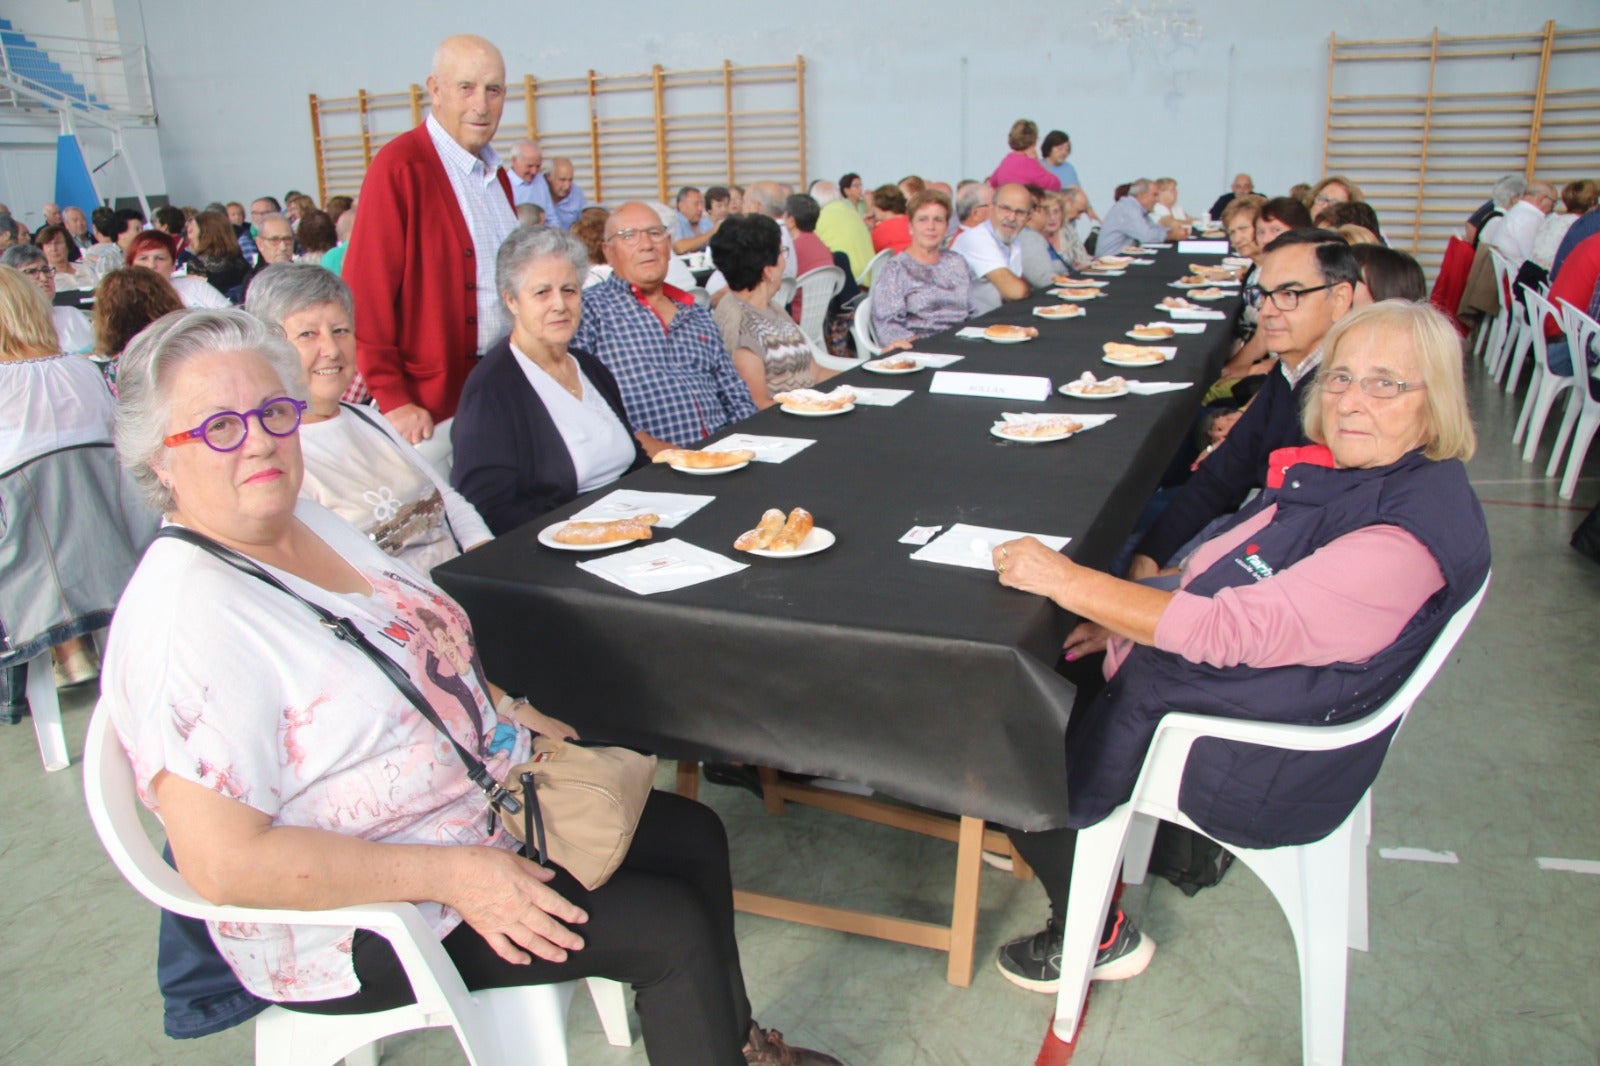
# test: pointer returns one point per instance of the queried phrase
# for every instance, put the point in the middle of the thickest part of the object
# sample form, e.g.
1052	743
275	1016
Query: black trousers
663	924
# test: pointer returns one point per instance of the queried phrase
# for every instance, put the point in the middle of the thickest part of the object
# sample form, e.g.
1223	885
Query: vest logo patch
1253	563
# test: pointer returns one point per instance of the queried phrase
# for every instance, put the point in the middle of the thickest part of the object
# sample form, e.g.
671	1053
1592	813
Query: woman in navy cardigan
539	424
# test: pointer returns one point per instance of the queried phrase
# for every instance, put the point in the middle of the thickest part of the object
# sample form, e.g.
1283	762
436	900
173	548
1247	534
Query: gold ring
1002	551
1000	569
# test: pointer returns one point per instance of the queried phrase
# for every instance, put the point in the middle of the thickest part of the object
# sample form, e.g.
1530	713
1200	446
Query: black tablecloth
930	683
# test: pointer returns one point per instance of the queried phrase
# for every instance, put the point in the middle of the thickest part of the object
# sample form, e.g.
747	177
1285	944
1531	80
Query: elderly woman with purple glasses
290	772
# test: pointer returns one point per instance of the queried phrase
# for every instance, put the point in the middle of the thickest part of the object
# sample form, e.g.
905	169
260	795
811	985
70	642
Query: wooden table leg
688	779
964	912
770	794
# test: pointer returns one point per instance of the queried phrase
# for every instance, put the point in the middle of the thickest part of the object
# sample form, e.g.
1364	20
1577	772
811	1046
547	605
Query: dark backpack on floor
1187	859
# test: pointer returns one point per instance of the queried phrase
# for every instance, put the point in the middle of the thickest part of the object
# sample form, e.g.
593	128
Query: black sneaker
1034	962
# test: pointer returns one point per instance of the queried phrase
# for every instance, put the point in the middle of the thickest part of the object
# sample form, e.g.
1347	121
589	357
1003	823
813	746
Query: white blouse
370	477
51	403
600	445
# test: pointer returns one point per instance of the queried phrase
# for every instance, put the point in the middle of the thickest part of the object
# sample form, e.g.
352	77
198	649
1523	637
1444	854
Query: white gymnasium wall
1154	87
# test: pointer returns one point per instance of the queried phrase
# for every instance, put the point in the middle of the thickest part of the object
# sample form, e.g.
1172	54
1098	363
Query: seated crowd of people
472	344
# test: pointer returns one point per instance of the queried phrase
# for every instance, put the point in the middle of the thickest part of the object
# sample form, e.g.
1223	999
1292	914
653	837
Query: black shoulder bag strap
348	631
357	410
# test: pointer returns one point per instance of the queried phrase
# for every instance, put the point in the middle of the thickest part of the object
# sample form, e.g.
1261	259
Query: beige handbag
579	805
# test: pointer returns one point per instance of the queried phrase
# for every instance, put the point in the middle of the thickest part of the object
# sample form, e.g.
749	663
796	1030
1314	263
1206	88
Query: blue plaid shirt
677	381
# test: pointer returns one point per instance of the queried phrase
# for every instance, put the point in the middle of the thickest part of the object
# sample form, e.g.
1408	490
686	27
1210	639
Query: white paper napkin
767	449
1142	262
673	507
661	566
1151	388
935	361
1186	327
1204	248
1208	314
973	546
1150	247
880	397
1099	273
970	333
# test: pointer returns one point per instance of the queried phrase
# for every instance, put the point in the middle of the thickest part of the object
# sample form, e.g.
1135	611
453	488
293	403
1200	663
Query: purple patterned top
911	299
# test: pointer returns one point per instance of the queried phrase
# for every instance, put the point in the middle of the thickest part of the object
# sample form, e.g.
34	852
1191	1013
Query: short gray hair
20	256
526	246
824	192
968	199
766	197
1507	189
1139	188
144	381
285	289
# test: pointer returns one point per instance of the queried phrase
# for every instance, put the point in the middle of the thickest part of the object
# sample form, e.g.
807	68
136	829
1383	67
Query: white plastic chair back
872	267
702	298
1583	410
1547	385
818	287
861	329
784	295
1321	886
1504	273
496	1027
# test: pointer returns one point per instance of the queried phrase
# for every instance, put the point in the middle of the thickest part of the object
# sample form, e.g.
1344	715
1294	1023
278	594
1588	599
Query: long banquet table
926	682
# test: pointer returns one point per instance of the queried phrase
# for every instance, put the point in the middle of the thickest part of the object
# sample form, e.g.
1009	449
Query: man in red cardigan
435	207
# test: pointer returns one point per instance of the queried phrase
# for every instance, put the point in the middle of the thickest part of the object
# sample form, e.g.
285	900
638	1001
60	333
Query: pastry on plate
1152	332
777	532
812	400
1191	279
1132	353
1088	385
1009	333
1207	294
1178	303
896	362
607	532
1043	427
1059	311
694	460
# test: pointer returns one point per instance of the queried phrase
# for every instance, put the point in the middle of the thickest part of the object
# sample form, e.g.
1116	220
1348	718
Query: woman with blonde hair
1312	606
1021	165
48	401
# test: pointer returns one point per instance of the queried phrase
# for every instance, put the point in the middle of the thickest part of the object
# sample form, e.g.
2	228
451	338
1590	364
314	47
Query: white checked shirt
490	220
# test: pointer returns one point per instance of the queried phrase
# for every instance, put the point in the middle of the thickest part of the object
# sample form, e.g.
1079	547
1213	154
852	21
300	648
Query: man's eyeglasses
632	235
1285	299
275	240
226	431
43	270
1013	212
1338	383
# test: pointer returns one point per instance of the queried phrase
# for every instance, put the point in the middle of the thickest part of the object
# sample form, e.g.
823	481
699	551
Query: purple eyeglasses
226	431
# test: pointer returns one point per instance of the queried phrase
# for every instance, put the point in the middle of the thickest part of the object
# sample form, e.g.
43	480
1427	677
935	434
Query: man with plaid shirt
678	383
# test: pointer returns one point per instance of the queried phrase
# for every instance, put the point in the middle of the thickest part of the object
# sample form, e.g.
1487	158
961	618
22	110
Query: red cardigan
413	270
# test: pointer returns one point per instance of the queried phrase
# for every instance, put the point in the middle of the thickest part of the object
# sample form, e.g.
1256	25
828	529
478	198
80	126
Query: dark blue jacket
1272	421
1257	797
511	462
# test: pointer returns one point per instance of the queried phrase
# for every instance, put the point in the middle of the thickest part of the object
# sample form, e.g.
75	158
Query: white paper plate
709	470
1068	390
876	365
1006	340
1188	285
1136	336
818	540
1077	283
846	409
1044	312
547	537
1209	299
994	431
1119	361
1060	294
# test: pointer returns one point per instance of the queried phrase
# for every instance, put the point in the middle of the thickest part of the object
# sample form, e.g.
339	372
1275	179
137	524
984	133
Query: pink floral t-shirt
224	681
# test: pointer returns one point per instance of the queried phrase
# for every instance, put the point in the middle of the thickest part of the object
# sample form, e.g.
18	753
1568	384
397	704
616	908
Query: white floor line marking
1571	866
1447	858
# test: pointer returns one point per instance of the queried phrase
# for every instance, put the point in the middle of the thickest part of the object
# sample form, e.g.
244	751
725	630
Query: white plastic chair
872	267
1546	386
784	296
867	346
1521	340
1322	886
1583	409
702	298
496	1027
818	287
